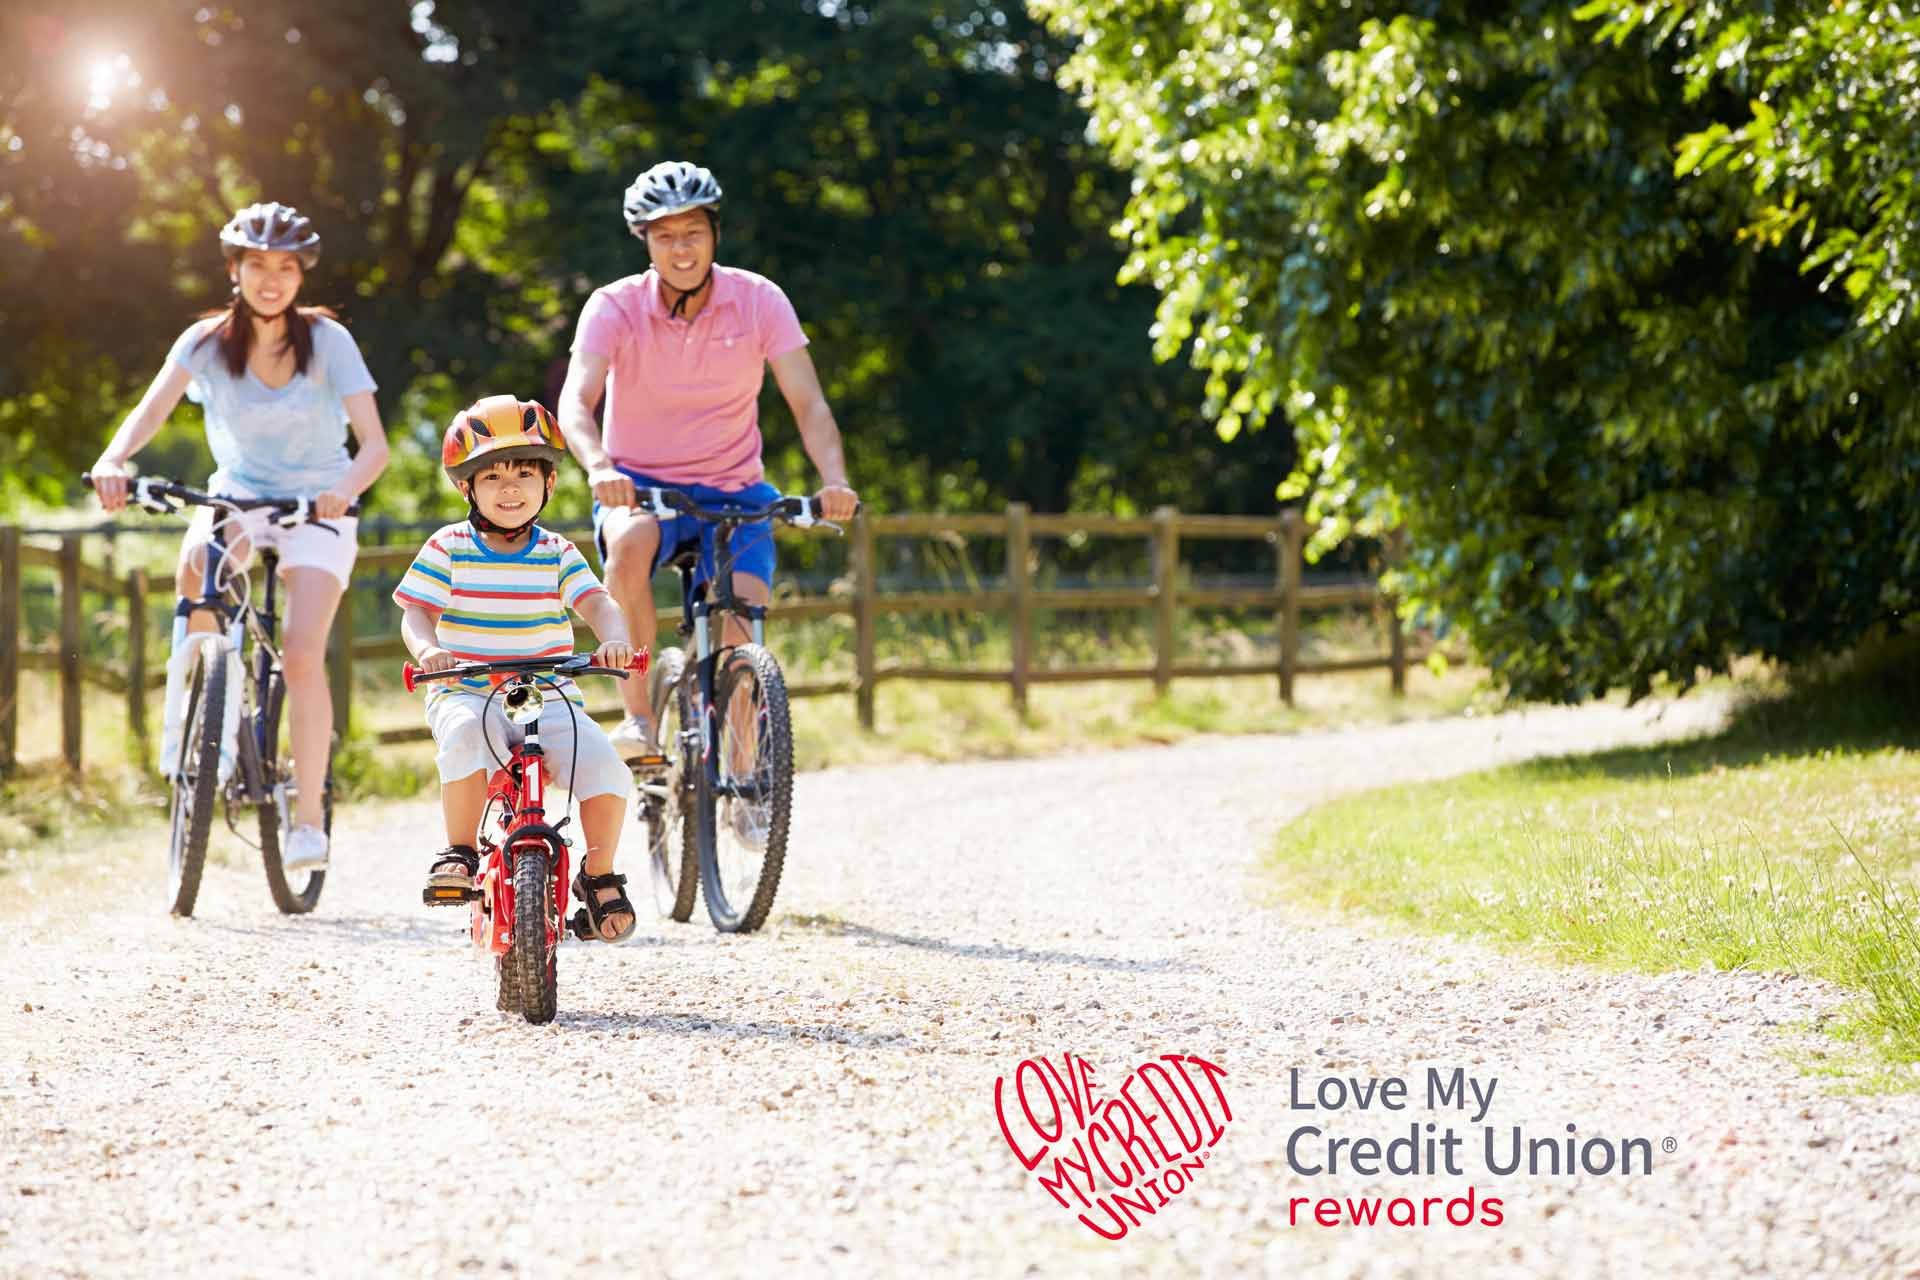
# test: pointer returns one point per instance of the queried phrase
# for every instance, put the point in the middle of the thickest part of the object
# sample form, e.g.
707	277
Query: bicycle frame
700	602
240	620
698	607
516	798
236	617
520	791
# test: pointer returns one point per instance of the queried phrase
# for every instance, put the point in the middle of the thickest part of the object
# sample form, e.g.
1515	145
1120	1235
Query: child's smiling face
510	493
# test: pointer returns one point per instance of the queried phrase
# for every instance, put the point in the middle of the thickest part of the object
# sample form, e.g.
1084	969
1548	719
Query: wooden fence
1018	597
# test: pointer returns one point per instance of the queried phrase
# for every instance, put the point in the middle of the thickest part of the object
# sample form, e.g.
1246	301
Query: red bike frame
521	805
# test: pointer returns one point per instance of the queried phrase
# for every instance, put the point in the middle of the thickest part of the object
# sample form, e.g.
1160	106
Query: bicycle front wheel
528	971
666	804
746	791
196	773
300	893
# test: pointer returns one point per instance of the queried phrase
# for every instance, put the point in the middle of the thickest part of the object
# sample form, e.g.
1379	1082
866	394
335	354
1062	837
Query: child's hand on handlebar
617	654
436	660
331	505
837	502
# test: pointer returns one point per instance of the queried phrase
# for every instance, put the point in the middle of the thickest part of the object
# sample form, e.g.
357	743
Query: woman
279	383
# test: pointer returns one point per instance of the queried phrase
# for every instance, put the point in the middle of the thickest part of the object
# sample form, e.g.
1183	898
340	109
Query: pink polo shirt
683	397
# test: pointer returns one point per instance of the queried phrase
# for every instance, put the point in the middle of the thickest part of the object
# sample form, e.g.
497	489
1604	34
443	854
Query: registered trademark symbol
1669	1146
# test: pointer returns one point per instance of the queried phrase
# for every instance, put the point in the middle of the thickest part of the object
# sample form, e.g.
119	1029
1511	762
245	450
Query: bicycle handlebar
577	665
665	504
159	496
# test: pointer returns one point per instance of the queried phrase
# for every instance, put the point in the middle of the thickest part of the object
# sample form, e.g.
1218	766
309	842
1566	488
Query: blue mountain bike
717	818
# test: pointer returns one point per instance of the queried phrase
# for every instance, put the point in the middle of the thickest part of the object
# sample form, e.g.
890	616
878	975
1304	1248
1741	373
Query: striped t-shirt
496	604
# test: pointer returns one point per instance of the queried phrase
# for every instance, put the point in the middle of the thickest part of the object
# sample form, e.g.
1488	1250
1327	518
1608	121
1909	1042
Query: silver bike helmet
271	227
670	187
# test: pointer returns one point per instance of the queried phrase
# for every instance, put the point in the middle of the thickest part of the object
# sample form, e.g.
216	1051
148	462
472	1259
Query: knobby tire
773	765
528	972
196	774
672	842
274	824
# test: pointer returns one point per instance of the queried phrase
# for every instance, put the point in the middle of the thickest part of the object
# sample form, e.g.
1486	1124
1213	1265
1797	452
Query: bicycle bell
524	703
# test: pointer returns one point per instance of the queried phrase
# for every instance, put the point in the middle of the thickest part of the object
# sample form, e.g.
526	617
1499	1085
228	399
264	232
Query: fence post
70	650
1020	589
9	648
1166	573
340	666
137	658
1396	633
866	574
1293	536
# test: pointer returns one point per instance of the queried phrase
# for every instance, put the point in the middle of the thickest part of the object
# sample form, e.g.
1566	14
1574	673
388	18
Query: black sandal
451	880
587	921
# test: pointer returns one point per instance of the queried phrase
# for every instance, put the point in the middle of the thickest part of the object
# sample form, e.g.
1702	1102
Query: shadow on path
699	1025
864	935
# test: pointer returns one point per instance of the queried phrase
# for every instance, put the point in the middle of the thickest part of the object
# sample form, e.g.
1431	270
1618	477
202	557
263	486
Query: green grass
1787	841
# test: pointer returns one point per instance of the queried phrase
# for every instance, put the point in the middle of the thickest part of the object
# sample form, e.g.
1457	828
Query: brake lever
305	515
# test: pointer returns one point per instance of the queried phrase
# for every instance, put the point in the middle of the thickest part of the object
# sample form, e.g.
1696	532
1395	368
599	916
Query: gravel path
242	1094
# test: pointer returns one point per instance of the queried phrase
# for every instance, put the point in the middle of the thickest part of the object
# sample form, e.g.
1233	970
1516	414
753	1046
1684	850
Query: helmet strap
512	533
679	303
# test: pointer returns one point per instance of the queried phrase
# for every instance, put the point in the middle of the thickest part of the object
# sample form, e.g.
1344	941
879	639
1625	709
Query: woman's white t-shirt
288	442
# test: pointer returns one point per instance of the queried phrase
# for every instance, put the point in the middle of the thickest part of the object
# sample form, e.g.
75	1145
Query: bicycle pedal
446	896
653	762
581	925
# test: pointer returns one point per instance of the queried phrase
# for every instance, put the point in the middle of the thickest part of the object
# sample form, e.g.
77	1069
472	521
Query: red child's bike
519	895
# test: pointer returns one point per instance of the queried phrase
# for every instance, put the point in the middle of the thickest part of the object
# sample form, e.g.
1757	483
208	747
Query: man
681	352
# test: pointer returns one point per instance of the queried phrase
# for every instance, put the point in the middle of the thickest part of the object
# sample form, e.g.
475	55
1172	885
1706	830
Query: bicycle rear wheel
666	804
745	794
299	894
528	971
196	773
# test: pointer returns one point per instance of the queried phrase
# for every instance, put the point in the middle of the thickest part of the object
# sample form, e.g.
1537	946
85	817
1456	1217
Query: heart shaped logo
1113	1158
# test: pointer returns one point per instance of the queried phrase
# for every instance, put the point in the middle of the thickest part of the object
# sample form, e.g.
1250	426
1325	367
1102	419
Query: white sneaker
633	737
306	850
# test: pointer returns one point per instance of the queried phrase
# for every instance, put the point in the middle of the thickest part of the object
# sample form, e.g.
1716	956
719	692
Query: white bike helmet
269	227
670	187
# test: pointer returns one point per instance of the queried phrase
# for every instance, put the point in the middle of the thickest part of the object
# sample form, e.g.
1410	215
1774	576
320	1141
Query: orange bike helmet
498	429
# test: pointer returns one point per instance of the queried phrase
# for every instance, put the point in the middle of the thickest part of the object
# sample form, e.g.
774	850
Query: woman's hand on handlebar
330	505
611	487
111	484
837	502
436	660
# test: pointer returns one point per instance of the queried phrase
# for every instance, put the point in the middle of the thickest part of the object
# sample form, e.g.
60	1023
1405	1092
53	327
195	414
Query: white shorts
455	721
305	546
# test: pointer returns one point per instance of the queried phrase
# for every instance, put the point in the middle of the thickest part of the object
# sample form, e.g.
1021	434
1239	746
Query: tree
914	178
375	119
1448	239
910	173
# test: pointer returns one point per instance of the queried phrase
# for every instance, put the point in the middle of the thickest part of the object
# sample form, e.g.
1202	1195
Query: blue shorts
752	547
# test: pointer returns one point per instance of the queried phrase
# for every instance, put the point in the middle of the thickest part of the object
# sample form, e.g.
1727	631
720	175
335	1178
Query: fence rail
138	591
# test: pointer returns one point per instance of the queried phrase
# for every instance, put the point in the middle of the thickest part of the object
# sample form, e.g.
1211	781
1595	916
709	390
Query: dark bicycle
259	778
723	723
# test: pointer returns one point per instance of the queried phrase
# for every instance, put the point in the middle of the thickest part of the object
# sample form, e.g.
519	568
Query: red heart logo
1113	1157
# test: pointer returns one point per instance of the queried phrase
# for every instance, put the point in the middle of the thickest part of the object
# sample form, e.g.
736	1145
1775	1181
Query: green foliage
1449	241
910	173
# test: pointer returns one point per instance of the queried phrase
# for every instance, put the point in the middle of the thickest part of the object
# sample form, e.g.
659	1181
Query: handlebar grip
86	478
407	674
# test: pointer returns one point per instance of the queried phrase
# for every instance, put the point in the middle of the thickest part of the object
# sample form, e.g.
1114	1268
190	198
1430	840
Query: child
495	586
